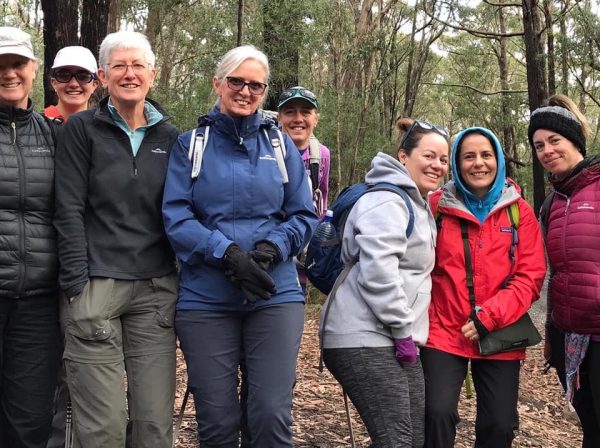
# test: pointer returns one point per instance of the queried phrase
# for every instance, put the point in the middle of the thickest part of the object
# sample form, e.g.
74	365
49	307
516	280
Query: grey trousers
115	327
389	398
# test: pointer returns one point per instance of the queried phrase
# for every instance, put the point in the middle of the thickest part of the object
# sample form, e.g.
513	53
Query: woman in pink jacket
571	216
473	209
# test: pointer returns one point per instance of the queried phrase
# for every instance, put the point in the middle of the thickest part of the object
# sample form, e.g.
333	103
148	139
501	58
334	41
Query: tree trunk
240	23
507	132
282	21
94	23
60	30
536	83
550	43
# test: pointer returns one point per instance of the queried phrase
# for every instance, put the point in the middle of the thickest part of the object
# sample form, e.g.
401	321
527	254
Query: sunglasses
426	126
65	76
238	84
298	92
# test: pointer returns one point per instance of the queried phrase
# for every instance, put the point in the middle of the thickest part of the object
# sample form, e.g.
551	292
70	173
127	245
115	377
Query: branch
502	5
464	86
477	33
580	82
515	161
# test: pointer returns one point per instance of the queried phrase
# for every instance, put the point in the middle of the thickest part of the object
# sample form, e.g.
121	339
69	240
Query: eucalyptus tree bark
94	23
536	82
60	30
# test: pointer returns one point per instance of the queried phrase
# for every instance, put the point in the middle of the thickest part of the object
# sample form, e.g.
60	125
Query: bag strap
514	217
198	141
314	161
275	136
464	232
545	213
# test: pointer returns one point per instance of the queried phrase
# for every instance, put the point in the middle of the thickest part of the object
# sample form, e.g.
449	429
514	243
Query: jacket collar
15	114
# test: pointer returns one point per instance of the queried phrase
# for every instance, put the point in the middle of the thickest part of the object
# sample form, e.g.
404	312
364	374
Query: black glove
266	254
246	274
481	330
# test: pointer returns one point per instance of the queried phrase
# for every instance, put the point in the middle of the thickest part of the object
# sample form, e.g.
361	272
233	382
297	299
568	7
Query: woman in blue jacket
237	213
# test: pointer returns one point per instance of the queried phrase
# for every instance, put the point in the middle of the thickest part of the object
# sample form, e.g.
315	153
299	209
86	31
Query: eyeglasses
238	84
426	126
65	76
297	92
137	67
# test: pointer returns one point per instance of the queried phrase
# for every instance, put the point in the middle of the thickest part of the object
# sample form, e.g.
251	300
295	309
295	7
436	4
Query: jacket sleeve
509	304
380	231
293	234
72	164
192	242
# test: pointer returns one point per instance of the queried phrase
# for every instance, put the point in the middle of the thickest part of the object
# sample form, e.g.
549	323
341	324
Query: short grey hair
237	56
125	40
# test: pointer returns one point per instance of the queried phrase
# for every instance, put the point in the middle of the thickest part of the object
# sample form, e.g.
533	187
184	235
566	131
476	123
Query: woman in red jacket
558	133
478	200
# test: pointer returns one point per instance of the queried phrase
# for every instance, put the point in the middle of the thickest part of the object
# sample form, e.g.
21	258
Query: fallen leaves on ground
320	418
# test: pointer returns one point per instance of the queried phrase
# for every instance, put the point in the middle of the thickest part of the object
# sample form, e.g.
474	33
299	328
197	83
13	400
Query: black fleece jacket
108	202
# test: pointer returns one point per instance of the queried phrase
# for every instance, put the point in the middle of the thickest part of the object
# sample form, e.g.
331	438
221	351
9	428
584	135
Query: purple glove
406	351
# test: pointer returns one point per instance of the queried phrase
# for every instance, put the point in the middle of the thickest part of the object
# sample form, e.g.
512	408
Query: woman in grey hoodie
378	315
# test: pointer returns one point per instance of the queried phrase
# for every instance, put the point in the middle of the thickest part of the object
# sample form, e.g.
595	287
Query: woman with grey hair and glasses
237	210
117	270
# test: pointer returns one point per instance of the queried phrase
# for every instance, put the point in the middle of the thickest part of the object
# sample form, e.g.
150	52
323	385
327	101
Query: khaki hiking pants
113	327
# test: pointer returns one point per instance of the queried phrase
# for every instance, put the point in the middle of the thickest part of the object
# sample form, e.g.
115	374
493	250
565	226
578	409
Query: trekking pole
69	426
352	442
180	416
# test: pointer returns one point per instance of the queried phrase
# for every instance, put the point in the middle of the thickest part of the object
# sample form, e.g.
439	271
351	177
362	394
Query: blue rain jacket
239	196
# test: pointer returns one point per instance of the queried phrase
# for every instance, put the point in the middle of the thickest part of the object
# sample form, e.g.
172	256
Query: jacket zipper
21	168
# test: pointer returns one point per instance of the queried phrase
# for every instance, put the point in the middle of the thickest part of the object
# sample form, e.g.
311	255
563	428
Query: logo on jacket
40	149
159	151
506	229
585	206
268	157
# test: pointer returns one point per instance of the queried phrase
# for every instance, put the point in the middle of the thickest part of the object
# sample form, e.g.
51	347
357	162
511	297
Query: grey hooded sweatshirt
387	292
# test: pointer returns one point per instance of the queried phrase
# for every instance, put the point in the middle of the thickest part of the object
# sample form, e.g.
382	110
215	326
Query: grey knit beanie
559	120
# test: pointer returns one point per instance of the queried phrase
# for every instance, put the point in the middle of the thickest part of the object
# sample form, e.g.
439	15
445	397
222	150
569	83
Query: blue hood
480	207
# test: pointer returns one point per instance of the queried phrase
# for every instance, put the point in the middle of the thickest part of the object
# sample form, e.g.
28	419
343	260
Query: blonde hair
567	103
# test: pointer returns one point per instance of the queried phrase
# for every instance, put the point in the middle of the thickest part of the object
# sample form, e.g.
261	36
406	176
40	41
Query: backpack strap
314	161
384	186
545	213
275	136
198	141
514	217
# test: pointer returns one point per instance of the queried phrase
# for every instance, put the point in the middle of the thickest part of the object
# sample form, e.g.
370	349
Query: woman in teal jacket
236	223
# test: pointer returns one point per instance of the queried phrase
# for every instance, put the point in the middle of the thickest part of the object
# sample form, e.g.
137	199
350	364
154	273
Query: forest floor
320	418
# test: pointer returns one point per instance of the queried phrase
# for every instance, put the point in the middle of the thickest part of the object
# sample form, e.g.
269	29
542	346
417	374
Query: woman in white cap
74	80
29	332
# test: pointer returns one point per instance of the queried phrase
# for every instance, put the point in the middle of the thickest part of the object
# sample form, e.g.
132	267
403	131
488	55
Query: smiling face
427	164
127	76
298	119
557	154
16	80
477	163
73	95
241	103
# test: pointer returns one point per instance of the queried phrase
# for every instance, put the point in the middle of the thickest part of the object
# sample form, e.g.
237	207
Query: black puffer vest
28	256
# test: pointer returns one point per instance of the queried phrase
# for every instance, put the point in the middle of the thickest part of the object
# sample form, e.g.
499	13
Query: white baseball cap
15	41
76	57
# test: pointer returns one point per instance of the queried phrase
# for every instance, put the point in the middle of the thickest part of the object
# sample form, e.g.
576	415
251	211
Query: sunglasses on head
65	76
238	84
299	92
426	126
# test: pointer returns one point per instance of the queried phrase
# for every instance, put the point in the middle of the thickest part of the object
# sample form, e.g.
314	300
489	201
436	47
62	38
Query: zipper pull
241	141
567	206
14	129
